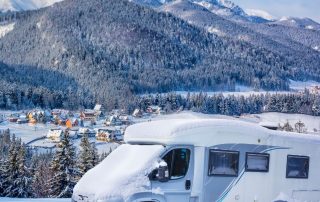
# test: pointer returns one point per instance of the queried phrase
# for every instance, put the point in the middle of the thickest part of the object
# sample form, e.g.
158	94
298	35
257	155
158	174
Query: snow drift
124	172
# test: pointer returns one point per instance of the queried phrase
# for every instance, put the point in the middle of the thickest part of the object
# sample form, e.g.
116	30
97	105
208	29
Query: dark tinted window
297	166
256	162
224	163
178	162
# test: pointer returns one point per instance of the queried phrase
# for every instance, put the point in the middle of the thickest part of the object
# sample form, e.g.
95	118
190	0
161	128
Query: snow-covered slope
305	23
259	13
224	8
197	15
21	5
228	9
6	28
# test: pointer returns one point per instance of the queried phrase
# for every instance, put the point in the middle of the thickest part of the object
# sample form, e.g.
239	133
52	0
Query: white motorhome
206	161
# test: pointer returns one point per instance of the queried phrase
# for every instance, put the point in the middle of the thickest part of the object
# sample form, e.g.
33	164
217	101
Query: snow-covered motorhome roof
204	132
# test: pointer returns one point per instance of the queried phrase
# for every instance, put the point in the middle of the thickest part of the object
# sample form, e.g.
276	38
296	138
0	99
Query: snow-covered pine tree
86	161
316	106
23	181
3	176
94	154
12	168
40	185
63	168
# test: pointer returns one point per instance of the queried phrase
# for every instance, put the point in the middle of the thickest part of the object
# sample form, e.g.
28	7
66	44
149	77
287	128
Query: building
89	115
55	134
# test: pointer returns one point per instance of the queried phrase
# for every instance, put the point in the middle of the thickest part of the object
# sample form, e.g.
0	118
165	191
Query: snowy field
239	93
301	85
33	200
27	132
240	90
312	123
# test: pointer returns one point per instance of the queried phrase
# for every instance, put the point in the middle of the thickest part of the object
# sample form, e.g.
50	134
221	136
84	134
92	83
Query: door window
178	162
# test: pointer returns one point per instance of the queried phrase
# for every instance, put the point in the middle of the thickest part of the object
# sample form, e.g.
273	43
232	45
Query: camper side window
297	166
223	163
256	162
178	162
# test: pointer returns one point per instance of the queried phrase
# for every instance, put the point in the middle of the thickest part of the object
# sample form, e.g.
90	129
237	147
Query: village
43	129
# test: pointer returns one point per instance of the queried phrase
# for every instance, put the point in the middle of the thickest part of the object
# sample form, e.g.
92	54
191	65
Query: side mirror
161	173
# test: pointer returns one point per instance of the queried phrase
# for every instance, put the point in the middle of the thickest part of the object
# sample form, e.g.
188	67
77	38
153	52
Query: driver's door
180	167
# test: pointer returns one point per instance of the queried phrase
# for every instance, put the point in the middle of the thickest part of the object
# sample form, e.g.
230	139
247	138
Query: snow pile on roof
200	132
116	178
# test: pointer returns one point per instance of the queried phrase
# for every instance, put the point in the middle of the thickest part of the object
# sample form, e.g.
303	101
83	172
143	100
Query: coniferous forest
25	173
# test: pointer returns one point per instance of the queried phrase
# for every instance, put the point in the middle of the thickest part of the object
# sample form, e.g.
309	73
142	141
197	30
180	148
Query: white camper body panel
236	136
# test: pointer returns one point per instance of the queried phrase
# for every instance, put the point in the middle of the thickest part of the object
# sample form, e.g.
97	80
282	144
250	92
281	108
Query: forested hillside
80	52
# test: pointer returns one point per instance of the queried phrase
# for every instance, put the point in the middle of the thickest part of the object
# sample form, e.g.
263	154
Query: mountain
304	23
80	52
22	5
276	38
224	8
260	13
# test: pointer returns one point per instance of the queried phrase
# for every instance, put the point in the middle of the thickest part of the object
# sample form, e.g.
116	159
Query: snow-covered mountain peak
260	13
21	5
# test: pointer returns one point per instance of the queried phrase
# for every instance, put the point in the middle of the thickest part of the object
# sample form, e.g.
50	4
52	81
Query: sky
280	8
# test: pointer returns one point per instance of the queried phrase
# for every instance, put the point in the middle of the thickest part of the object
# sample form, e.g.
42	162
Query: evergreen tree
12	170
94	154
40	185
316	106
3	176
23	181
63	168
86	160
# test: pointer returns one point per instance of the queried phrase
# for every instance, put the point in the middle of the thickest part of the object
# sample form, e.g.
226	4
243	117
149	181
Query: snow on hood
124	172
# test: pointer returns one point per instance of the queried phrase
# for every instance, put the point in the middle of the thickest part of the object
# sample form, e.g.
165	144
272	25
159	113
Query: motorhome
200	160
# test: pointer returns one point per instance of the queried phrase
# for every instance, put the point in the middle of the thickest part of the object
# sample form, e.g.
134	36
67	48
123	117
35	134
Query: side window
223	163
178	162
297	166
256	162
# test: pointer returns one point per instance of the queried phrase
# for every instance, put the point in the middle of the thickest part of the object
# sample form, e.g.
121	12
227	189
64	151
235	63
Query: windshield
123	172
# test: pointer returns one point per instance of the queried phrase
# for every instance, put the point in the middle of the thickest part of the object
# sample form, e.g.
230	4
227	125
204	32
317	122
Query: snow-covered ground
5	29
241	90
21	5
33	200
238	93
312	123
27	132
301	85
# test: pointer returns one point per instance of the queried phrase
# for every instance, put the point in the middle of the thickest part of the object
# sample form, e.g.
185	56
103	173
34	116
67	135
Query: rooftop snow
203	132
